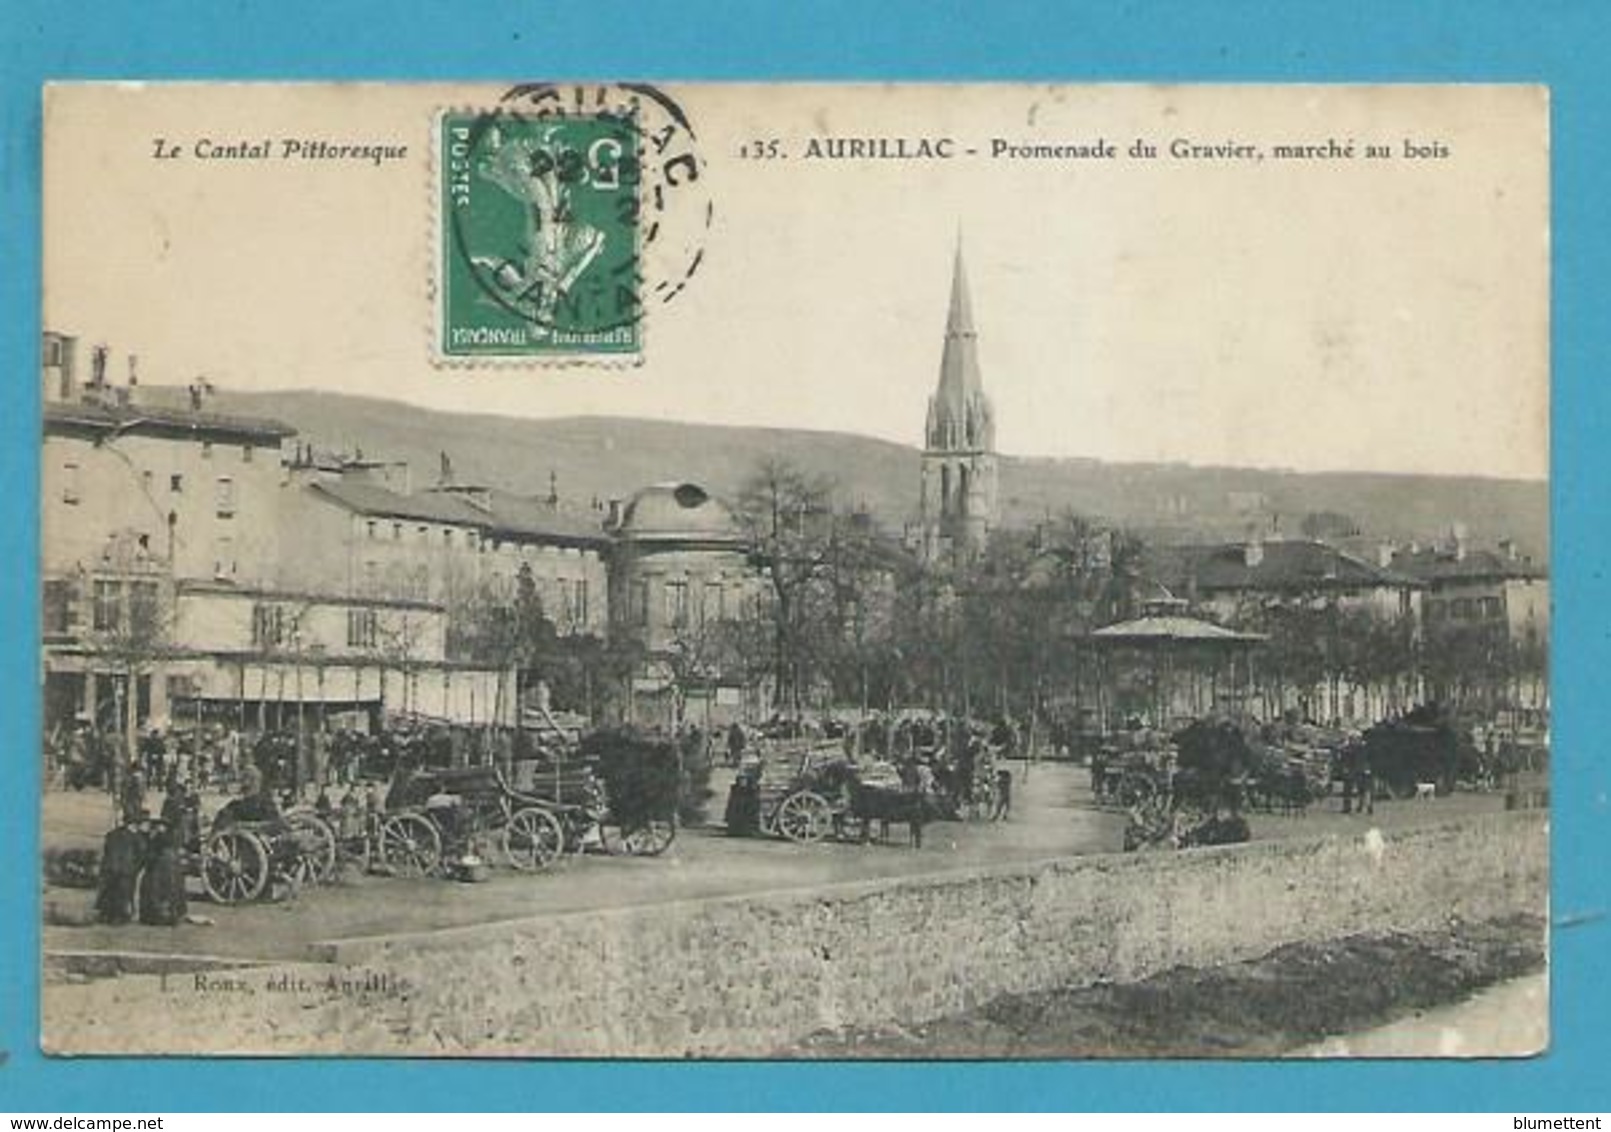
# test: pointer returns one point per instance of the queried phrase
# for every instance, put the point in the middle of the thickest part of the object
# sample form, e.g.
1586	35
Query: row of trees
848	618
851	619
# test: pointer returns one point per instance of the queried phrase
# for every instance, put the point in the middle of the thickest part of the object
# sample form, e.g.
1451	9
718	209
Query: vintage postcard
903	571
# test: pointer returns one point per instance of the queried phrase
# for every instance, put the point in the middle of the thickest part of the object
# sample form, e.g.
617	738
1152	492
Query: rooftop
670	511
1448	565
492	510
1172	628
161	419
1277	564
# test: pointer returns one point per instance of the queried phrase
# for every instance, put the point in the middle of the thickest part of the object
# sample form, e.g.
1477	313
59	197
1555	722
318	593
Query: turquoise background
1566	45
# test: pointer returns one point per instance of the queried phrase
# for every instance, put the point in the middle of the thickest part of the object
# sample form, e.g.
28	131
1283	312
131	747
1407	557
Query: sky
1358	314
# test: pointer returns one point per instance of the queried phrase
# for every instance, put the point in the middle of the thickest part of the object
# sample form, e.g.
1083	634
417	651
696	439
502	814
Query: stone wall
747	976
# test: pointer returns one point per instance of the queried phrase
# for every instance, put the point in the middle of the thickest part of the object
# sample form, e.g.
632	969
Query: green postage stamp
540	236
567	213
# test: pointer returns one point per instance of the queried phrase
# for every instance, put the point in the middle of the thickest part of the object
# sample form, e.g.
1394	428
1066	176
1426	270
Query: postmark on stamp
566	213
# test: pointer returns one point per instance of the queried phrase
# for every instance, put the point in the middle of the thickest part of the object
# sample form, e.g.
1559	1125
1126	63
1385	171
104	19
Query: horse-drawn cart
814	793
468	812
240	861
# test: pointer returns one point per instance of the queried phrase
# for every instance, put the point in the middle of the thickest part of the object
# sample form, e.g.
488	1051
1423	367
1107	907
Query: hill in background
599	458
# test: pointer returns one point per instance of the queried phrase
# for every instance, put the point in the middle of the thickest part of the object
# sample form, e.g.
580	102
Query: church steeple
960	416
959	459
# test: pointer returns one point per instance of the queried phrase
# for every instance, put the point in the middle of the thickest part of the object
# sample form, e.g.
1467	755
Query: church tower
958	505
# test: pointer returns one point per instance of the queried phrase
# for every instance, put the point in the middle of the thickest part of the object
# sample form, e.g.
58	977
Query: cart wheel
410	844
804	817
316	845
651	839
234	866
533	839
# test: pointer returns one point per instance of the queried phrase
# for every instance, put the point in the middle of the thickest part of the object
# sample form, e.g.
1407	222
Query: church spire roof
959	412
959	320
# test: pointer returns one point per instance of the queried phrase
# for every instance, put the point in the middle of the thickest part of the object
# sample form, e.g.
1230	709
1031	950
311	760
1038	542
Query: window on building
181	687
58	607
70	484
176	483
422	530
371	576
108	611
397	532
640	602
246	453
1460	609
1435	610
715	608
362	628
579	601
268	625
148	482
53	351
677	604
206	450
1492	608
422	583
226	497
224	557
370	529
144	608
447	536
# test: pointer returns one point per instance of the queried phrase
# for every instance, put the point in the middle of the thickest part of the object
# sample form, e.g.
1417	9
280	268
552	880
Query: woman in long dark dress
122	855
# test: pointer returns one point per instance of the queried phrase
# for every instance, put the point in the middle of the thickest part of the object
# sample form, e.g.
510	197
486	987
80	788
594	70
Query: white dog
1426	791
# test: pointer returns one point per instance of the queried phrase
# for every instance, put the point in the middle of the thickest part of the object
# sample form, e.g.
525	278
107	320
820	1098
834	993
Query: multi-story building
681	575
1502	590
1229	581
171	590
347	528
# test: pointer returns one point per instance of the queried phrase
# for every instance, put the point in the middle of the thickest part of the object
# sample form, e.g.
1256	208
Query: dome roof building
677	512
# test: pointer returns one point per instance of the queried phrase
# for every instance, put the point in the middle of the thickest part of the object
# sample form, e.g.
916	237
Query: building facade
184	578
682	578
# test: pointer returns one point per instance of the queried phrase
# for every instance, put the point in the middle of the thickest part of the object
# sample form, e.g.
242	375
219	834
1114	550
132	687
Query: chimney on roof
1507	547
60	374
444	470
612	519
1457	537
1253	550
98	367
553	488
199	391
132	393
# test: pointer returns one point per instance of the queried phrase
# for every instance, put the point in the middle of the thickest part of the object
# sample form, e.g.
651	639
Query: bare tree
788	517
